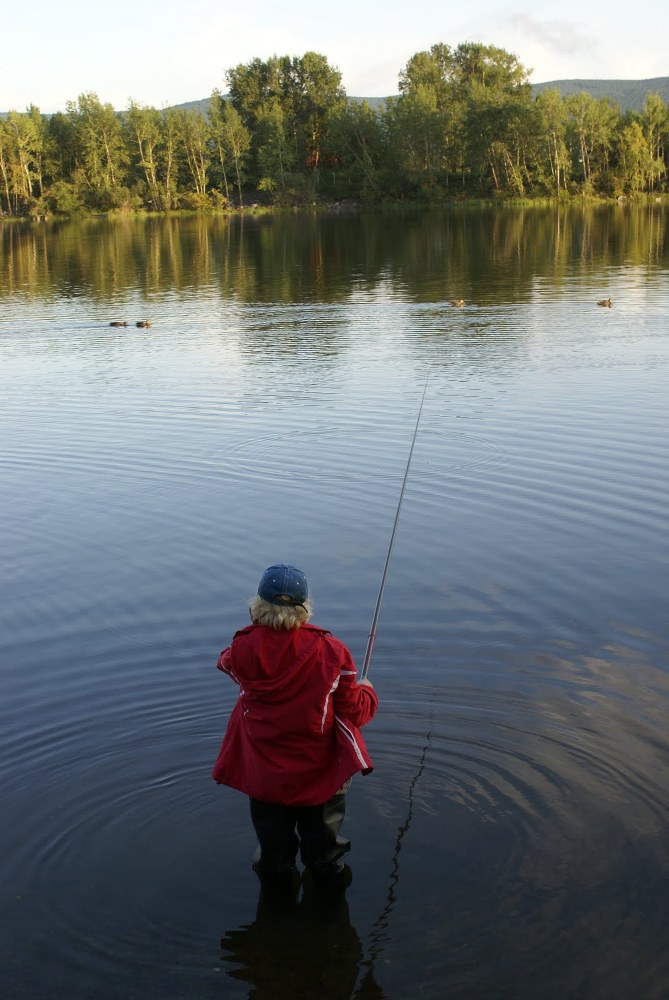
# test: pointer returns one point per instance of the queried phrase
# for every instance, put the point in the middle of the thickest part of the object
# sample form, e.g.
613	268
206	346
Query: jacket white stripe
352	740
327	699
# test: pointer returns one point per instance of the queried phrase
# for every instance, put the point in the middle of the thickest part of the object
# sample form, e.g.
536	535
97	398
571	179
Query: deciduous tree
232	139
100	149
592	122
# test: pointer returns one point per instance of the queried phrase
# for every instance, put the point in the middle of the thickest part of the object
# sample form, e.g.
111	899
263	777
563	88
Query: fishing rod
377	609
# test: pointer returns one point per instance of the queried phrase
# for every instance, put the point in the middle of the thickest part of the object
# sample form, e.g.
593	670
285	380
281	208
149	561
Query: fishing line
377	609
368	987
379	931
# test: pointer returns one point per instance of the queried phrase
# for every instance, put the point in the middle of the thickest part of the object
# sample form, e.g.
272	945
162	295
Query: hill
629	95
203	105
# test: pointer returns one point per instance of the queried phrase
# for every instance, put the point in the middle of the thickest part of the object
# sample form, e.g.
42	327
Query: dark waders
313	830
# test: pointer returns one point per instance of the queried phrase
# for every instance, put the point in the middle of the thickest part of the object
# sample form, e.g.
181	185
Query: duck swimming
143	323
116	322
607	303
458	303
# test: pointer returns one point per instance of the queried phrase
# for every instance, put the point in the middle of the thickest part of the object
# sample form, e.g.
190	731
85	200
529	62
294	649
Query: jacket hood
272	661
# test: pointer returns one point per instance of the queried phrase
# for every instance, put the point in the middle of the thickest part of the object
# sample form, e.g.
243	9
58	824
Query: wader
314	830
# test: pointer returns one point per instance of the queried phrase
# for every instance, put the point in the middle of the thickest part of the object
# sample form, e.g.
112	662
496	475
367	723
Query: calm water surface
512	840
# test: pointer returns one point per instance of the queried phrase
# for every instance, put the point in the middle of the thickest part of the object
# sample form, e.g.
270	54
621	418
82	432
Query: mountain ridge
629	95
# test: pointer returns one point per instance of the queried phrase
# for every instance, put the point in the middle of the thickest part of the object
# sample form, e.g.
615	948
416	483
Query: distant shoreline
354	208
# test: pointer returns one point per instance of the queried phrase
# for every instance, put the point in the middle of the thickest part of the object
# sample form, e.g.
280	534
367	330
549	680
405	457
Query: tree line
463	125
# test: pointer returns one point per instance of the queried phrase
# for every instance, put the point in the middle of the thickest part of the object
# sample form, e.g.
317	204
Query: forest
464	126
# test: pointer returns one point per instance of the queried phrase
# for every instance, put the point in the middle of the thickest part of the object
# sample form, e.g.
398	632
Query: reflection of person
292	741
297	950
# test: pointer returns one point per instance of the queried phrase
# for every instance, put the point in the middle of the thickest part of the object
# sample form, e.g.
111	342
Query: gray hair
279	616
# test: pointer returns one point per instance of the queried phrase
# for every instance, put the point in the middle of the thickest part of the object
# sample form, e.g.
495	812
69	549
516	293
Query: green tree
252	85
318	92
636	163
145	136
63	145
433	69
275	153
501	139
489	68
429	79
552	139
39	148
466	111
254	88
100	150
5	164
285	102
358	148
655	124
19	134
591	126
169	155
417	127
498	118
195	137
232	140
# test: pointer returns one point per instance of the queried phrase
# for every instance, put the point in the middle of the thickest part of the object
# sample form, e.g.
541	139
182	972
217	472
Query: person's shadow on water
301	946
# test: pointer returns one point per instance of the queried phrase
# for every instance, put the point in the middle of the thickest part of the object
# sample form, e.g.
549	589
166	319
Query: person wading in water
293	740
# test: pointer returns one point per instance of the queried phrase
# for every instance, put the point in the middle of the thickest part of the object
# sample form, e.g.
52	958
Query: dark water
513	839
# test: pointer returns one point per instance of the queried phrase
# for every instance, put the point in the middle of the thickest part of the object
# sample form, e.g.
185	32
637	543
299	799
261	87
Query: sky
163	52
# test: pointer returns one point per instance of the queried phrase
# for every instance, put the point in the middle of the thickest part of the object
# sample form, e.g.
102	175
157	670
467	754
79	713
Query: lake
512	839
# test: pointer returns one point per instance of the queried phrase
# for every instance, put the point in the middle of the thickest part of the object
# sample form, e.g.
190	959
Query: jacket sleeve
224	662
351	701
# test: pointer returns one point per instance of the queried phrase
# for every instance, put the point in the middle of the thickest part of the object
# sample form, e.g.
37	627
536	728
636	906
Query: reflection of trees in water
433	255
299	947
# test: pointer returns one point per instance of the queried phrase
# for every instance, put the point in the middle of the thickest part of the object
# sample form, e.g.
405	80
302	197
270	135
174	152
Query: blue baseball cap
283	584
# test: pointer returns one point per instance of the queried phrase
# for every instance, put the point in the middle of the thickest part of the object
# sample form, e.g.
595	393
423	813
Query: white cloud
555	35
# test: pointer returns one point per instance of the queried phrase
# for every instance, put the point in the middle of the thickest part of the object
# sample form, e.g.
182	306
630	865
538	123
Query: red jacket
293	734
